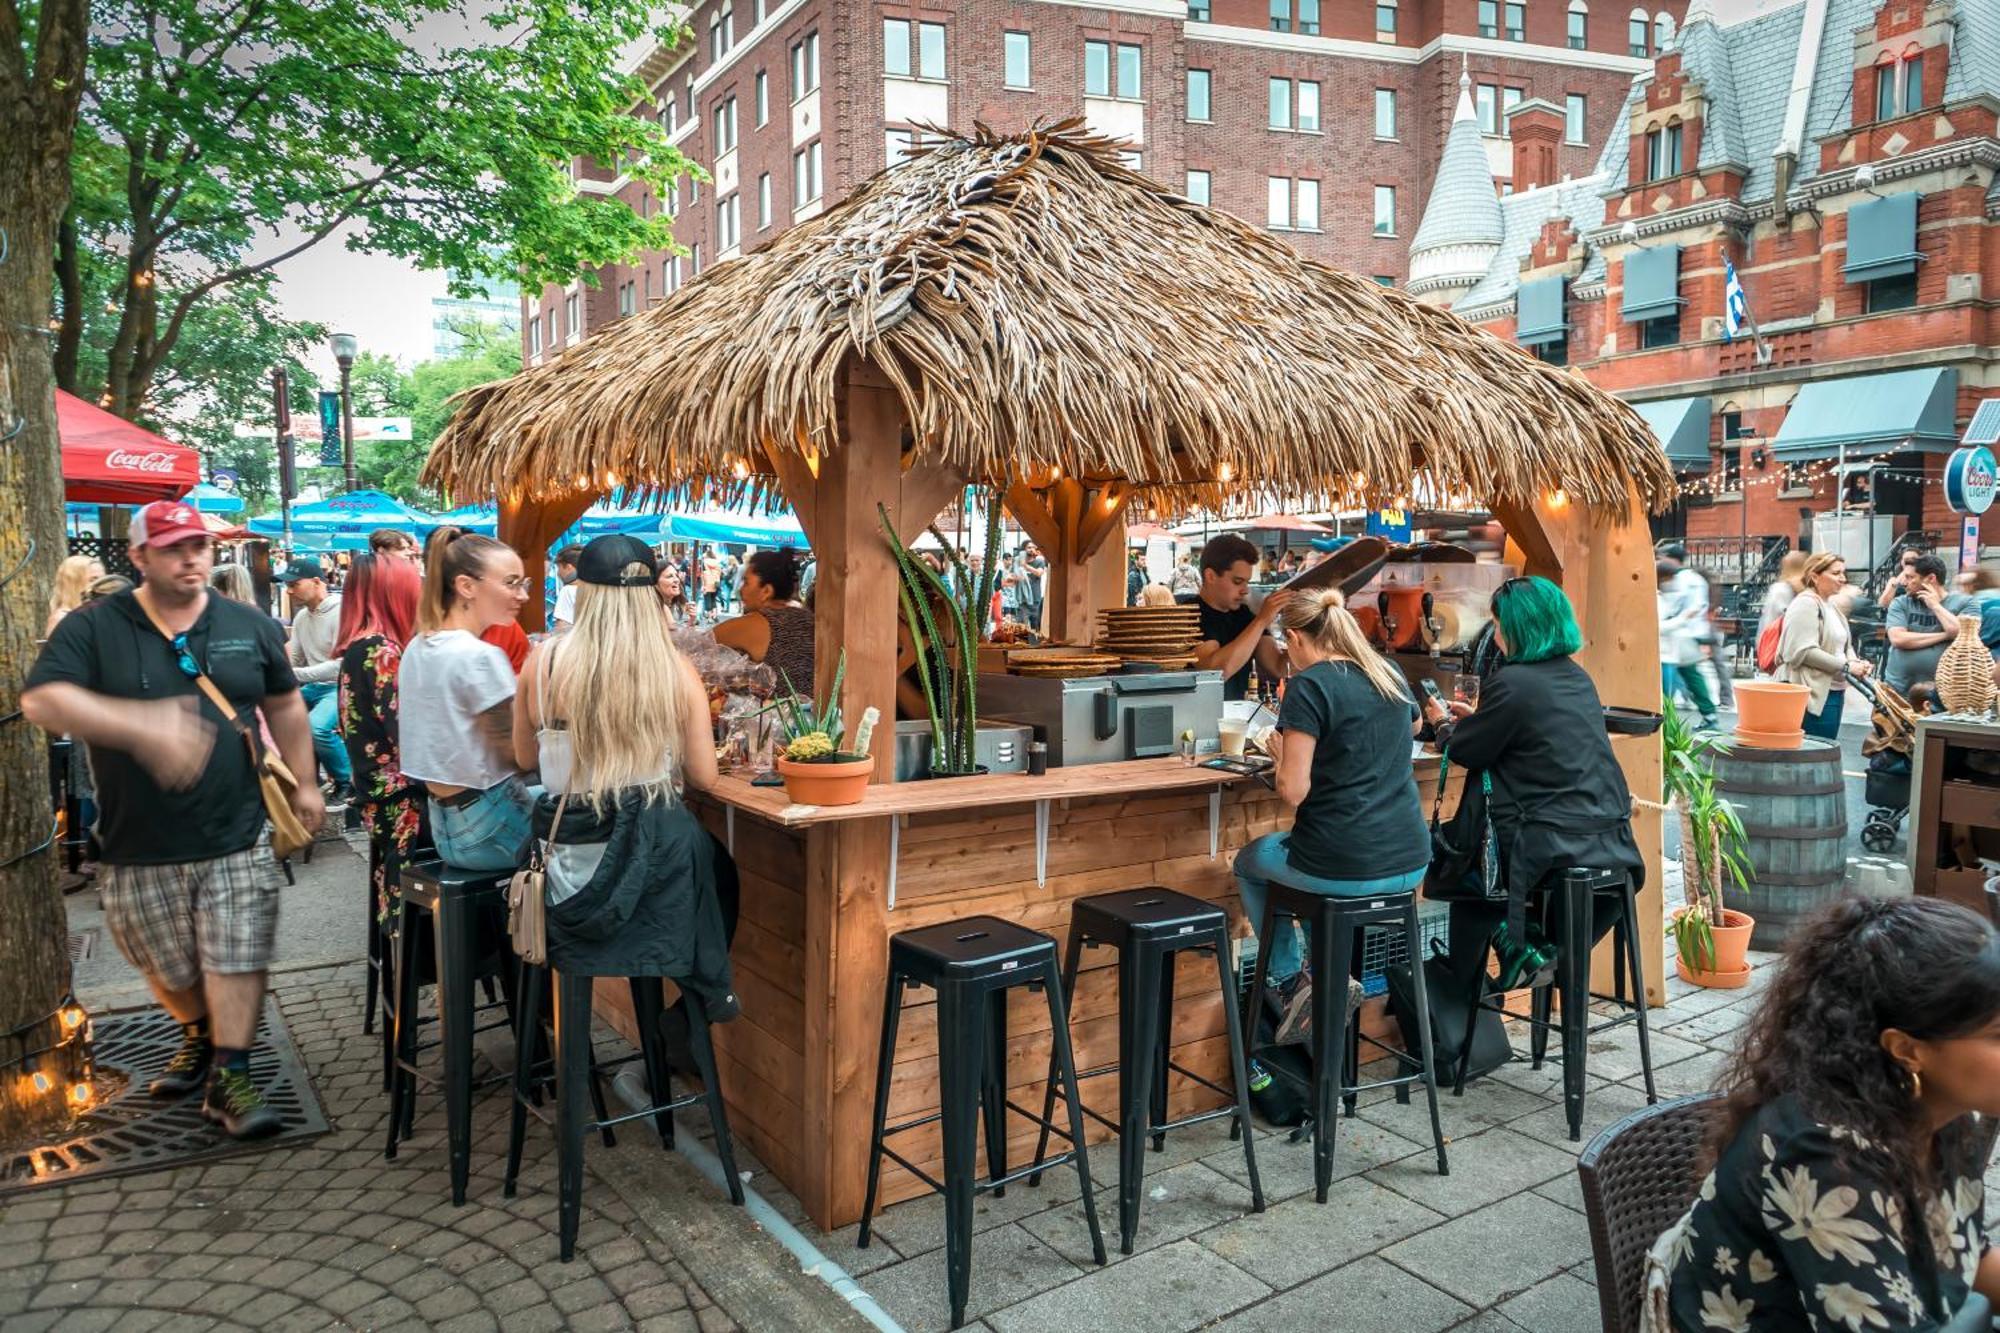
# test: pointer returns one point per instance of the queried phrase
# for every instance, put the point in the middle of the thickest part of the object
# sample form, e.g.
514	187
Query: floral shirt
1800	1227
392	805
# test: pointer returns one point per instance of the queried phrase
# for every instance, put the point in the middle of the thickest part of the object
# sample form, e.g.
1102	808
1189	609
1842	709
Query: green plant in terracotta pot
812	760
1711	941
944	618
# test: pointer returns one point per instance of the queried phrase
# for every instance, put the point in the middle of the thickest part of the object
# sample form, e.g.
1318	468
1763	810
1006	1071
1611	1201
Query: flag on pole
1735	306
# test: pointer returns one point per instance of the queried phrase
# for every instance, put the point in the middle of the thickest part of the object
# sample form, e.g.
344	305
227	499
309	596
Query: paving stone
1165	1290
1487	1102
1685	1077
1285	1168
1559	1304
1173	1203
917	1226
1614	1055
1504	1248
541	1318
679	1321
1369	1296
1485	1168
1299	1239
660	1298
1603	1105
1008	1265
583	1295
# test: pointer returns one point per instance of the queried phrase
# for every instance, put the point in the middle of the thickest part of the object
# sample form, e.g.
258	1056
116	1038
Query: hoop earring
1916	1086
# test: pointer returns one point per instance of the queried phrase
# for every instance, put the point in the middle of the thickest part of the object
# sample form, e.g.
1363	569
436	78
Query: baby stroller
1891	738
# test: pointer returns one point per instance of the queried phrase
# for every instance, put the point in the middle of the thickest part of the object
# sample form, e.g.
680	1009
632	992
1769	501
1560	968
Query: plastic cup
1232	730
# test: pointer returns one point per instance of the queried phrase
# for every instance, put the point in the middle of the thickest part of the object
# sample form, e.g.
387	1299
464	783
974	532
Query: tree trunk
37	130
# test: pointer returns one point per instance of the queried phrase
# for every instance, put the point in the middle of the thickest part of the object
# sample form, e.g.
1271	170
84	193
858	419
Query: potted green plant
811	760
945	626
1711	941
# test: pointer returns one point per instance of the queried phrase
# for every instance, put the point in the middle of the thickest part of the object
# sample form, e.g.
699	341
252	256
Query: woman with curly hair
1858	1114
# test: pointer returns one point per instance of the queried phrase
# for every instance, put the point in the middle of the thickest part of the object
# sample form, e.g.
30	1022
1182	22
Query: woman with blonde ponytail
1343	762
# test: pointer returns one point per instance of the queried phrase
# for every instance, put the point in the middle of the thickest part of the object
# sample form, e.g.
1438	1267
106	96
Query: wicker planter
1965	672
826	782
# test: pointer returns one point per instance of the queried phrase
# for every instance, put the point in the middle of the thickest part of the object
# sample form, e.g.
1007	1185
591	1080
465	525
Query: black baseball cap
604	560
305	567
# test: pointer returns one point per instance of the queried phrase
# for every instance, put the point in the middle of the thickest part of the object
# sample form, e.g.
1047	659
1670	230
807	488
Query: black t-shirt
1362	818
1222	627
110	648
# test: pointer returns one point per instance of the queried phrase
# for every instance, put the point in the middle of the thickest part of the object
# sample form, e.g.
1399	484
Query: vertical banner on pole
329	428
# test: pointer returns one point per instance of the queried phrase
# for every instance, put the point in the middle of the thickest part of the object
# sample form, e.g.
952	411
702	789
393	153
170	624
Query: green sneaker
1522	962
234	1103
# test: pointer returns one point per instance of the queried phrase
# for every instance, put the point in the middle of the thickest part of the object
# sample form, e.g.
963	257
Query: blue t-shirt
1362	818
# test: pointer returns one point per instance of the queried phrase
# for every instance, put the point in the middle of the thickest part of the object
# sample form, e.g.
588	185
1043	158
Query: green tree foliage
222	137
424	393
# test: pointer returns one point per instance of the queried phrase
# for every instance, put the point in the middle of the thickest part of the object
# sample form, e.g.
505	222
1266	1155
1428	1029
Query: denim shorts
1265	860
490	833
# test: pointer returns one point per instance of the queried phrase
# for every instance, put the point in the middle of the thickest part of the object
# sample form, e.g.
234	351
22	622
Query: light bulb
80	1094
41	1082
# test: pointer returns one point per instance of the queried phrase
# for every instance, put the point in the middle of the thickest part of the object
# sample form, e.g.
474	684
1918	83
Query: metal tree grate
82	945
132	1132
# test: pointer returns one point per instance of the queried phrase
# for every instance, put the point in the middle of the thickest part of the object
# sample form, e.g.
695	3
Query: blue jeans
1265	861
323	708
491	833
1825	724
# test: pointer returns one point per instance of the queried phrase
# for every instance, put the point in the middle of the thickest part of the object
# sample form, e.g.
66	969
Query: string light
40	1081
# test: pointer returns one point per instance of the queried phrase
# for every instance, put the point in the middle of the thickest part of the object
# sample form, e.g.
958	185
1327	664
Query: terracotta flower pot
1771	740
1732	948
1770	707
821	782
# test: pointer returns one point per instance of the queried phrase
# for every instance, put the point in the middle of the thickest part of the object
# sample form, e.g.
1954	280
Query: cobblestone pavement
323	1233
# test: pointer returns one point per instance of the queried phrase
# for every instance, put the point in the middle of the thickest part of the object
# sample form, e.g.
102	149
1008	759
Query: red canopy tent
108	460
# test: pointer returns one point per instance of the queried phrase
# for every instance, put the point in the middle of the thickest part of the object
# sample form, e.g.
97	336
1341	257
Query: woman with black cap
616	720
773	629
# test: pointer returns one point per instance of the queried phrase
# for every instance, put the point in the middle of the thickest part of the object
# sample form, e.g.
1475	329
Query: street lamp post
344	347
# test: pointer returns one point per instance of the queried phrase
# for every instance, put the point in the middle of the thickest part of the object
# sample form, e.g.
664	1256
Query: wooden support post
529	526
846	935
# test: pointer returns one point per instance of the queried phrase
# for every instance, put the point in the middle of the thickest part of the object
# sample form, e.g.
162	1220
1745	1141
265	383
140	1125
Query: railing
1892	564
1736	560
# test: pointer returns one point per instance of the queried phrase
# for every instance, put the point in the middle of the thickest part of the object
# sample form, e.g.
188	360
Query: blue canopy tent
730	526
343	522
214	500
482	519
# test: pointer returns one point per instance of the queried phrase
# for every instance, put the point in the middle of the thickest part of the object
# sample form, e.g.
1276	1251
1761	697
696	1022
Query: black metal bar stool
575	1071
972	964
1334	924
1575	896
1148	927
454	902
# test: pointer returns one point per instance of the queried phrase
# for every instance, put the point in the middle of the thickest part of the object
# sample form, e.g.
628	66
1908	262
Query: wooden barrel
1793	804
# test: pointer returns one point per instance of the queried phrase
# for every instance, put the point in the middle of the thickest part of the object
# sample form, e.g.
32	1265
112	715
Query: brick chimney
1536	128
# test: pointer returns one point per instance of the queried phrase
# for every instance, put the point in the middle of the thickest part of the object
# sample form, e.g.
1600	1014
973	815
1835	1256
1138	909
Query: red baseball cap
164	522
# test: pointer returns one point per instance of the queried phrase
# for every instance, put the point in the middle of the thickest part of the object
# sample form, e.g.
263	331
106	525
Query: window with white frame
1639	34
1199	11
725	126
1305	205
1385	113
534	337
1278	206
805	174
1576	111
1385	22
1096	69
721	34
1199	184
1509	99
1129	60
1517	20
1663	152
1281	15
1579	25
902	60
1280	104
1489	18
1200	99
1014	52
763	98
1899	86
805	65
571	327
694	259
1308	100
1385	210
628	299
729	223
1294	104
763	200
1309	17
1663	31
1486	107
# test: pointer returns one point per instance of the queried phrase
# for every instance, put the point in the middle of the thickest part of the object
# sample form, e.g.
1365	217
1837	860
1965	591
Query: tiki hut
1025	311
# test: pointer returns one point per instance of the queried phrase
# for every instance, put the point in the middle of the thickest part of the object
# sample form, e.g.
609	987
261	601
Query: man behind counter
1232	635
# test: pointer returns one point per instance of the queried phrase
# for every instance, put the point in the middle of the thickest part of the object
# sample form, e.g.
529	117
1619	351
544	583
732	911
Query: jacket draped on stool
1559	797
650	909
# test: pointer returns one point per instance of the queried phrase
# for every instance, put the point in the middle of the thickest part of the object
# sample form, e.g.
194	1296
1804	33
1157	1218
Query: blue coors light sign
1969	479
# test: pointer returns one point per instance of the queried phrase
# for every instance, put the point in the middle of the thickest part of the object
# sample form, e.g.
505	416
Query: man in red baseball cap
190	895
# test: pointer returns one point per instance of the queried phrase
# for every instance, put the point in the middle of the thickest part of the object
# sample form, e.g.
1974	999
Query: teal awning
1538	312
1652	280
1681	425
1871	414
1882	238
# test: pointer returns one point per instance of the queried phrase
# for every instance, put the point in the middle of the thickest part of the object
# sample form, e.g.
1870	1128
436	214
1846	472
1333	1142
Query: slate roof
1464	207
1582	201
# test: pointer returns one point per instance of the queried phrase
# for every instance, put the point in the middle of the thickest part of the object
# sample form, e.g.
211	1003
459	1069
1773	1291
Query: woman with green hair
1559	800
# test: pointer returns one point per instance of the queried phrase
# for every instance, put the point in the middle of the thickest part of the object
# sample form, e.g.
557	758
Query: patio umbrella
343	522
483	519
1279	523
732	526
209	499
108	460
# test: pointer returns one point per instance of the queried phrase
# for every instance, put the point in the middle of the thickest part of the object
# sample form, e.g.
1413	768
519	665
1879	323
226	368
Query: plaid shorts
175	922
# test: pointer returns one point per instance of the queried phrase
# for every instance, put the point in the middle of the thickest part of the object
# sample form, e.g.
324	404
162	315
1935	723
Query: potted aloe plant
945	627
811	760
1711	941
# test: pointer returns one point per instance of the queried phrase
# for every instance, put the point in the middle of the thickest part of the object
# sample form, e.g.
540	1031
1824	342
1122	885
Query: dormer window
1663	152
1899	86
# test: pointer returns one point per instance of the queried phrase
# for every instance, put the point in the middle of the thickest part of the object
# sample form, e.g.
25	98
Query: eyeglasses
184	658
514	584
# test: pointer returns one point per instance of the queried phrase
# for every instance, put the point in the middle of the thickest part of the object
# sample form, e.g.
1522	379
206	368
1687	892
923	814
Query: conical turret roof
1464	207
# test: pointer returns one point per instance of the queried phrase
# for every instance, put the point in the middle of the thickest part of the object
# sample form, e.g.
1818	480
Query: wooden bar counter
823	889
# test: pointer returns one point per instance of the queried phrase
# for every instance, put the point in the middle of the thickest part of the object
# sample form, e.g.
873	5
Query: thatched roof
1037	304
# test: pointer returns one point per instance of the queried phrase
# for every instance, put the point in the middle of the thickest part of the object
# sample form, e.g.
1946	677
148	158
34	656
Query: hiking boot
186	1071
1291	1009
234	1103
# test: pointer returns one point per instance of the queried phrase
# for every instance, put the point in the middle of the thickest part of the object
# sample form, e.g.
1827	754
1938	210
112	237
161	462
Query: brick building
1842	155
1323	120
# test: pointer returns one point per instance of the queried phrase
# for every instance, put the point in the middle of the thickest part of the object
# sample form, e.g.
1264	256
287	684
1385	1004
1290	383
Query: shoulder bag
275	781
1465	854
527	897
